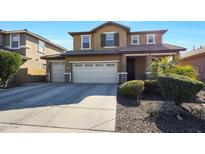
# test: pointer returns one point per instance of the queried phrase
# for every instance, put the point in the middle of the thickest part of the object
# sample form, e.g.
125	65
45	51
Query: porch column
122	74
124	63
67	74
48	71
148	72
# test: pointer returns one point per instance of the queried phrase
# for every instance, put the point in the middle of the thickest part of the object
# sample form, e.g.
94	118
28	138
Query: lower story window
110	64
78	65
88	65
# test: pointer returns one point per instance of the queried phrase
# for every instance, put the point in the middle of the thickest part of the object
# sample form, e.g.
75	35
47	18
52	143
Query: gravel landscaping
153	114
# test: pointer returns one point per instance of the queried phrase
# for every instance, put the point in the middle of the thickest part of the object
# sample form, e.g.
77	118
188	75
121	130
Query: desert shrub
185	70
153	114
179	88
132	88
198	111
151	87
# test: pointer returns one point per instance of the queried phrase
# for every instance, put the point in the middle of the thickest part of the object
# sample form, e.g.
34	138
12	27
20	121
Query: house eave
149	32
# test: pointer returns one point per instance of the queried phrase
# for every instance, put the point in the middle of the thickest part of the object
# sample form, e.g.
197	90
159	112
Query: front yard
154	114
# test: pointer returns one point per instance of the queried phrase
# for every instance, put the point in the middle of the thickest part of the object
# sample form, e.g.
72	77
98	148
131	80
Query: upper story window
150	39
41	46
135	39
109	39
85	41
14	41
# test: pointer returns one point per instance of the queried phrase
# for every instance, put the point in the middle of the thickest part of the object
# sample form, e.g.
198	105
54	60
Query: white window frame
153	35
11	41
132	39
82	42
113	39
39	41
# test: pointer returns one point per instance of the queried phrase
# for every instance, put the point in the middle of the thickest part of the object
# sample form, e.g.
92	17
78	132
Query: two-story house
109	53
31	46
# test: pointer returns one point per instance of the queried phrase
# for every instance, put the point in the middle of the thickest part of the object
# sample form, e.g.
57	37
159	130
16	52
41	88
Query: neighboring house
196	58
109	53
31	46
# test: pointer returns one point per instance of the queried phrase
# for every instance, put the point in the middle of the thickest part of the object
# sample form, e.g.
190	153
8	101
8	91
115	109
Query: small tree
9	65
163	66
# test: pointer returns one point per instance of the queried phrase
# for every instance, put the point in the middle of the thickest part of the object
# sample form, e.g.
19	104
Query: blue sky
185	34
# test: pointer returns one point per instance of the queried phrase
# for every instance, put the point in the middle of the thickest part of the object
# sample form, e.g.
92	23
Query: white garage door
95	73
58	69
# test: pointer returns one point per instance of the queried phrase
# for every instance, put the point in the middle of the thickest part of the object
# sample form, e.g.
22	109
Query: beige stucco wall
143	39
124	38
96	38
140	67
110	28
32	52
198	62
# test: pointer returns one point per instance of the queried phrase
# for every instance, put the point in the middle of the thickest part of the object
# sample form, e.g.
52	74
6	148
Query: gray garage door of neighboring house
95	72
58	70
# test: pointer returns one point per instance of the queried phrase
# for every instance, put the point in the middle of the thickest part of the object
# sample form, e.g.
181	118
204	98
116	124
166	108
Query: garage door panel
95	73
58	69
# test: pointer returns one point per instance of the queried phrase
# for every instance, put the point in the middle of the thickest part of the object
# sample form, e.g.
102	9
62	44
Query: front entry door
130	69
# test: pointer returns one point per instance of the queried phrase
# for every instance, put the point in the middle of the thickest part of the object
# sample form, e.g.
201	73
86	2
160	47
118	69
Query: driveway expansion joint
58	127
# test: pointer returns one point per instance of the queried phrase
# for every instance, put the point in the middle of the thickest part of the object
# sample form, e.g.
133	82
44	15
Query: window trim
18	41
109	32
113	39
138	40
39	46
153	35
110	47
89	42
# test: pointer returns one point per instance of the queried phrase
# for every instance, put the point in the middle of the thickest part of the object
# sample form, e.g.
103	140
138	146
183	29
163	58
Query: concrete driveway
50	107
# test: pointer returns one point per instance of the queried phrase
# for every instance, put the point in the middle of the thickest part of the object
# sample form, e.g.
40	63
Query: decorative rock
179	117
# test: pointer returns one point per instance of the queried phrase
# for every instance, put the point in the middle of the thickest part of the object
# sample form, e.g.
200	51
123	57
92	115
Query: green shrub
9	65
185	70
179	88
132	88
151	87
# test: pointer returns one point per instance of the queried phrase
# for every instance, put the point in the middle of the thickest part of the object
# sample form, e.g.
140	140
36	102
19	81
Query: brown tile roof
53	56
129	49
91	52
150	32
120	25
3	49
193	53
102	25
136	49
34	35
152	47
111	23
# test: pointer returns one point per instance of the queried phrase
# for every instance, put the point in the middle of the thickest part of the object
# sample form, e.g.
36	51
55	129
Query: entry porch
137	66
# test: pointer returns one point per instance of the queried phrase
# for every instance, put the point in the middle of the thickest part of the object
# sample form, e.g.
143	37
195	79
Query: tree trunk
5	83
138	98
